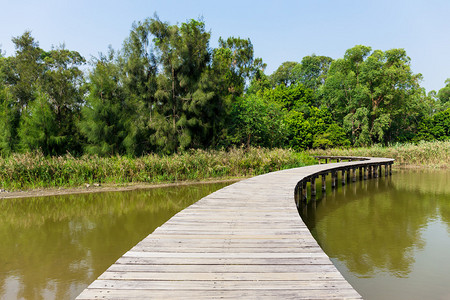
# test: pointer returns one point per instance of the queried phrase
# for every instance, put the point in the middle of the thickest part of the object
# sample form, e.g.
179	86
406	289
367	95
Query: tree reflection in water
53	247
375	228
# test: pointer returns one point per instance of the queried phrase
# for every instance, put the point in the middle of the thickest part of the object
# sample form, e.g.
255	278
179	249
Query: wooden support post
375	171
324	184
348	175
365	172
304	194
379	170
369	172
360	173
343	177
326	160
313	186
390	169
386	169
354	174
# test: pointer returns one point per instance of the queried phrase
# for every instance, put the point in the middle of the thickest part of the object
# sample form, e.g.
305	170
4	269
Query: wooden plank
217	284
217	294
223	268
195	276
223	255
223	261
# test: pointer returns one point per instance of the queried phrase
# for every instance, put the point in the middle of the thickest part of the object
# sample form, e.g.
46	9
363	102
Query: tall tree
238	54
444	93
62	80
39	127
9	120
138	67
375	95
105	122
257	122
284	74
25	69
183	54
313	70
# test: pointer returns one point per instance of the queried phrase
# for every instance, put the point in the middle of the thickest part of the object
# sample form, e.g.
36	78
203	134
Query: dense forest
167	90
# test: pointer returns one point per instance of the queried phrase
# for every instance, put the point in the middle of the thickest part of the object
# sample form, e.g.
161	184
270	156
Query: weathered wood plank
217	284
194	276
217	294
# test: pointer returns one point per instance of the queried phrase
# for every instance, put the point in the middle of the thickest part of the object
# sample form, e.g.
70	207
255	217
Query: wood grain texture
246	240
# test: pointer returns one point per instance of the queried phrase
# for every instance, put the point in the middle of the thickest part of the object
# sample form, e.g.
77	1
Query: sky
279	30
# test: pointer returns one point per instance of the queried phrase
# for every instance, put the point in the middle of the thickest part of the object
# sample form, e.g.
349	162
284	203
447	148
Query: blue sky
279	30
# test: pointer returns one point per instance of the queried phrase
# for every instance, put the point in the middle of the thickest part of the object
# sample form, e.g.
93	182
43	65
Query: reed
423	154
34	170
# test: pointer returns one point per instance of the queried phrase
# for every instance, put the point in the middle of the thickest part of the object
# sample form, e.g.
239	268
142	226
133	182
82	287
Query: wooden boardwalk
246	240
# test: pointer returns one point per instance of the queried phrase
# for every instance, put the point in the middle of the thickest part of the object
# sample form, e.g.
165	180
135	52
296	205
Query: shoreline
123	187
54	191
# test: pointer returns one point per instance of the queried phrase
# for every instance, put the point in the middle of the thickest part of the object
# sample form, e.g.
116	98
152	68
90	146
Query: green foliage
166	90
256	122
300	131
39	127
241	62
316	131
183	55
9	121
104	117
375	93
293	97
435	128
284	75
312	71
444	93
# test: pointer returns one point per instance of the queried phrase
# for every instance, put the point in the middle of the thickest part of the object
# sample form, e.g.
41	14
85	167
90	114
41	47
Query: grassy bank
34	170
424	154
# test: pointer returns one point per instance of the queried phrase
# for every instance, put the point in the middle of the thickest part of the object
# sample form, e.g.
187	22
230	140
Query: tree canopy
166	90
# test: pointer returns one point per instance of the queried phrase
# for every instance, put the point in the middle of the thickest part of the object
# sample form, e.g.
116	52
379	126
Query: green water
54	247
390	238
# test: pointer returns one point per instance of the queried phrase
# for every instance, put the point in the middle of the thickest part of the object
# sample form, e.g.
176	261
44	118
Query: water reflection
380	227
53	247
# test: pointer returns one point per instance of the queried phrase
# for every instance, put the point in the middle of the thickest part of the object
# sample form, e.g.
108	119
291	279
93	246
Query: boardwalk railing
367	168
246	240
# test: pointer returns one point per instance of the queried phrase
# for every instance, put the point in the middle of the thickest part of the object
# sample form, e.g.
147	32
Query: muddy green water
390	238
54	247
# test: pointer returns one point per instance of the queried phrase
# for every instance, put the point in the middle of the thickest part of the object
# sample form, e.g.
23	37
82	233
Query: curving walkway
246	240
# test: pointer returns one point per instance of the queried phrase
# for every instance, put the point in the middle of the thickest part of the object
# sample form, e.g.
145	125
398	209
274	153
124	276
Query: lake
54	247
389	237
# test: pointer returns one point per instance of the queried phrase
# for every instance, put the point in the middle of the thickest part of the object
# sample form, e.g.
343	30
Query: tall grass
424	154
34	170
